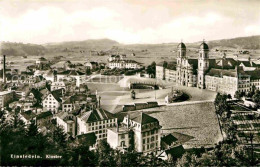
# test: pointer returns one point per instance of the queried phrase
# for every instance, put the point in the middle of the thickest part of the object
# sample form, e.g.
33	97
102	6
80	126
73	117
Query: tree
59	136
256	98
105	153
32	129
151	69
221	104
165	64
238	95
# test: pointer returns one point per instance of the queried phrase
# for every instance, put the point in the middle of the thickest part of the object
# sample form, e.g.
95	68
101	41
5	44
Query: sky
127	21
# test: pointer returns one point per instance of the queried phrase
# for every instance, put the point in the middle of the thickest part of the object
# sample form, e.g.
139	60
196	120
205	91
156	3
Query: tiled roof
57	94
227	72
254	74
248	63
96	115
176	152
65	116
169	139
79	97
28	114
220	72
44	115
142	118
225	63
120	61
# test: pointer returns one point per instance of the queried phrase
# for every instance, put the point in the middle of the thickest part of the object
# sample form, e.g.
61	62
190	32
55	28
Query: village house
51	100
67	122
97	121
44	118
76	101
121	64
27	116
6	97
145	132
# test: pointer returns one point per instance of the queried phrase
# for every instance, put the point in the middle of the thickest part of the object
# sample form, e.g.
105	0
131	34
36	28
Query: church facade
224	75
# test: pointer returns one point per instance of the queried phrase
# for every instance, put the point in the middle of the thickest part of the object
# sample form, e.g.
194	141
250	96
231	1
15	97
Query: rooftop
142	118
96	115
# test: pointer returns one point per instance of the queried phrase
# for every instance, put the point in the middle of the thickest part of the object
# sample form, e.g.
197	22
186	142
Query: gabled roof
44	115
80	97
225	63
254	74
65	116
142	118
96	115
248	63
44	92
176	152
57	94
28	115
221	72
169	139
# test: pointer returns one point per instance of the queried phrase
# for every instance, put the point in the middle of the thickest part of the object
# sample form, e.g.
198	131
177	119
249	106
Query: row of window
102	122
152	139
152	132
101	127
150	146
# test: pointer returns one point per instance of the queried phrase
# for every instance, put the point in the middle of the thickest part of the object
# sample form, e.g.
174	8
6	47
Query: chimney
4	77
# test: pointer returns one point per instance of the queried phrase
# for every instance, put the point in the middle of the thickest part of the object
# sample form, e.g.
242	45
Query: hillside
20	49
107	46
252	42
83	46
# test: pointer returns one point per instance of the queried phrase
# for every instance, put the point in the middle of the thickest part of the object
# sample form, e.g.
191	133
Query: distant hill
20	49
107	45
91	44
252	42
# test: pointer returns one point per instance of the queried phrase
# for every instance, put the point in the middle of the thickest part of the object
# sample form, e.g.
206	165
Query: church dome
204	46
181	46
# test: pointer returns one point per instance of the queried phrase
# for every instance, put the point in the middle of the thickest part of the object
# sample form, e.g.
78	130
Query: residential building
97	121
6	97
67	122
128	64
44	118
51	100
58	85
27	116
78	100
145	133
119	138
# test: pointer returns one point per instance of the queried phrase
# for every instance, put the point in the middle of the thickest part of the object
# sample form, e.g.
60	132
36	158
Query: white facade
147	136
58	85
67	124
98	127
49	103
128	64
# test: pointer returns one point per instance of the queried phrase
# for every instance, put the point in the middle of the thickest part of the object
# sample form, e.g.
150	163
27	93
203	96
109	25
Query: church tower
181	55
203	64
